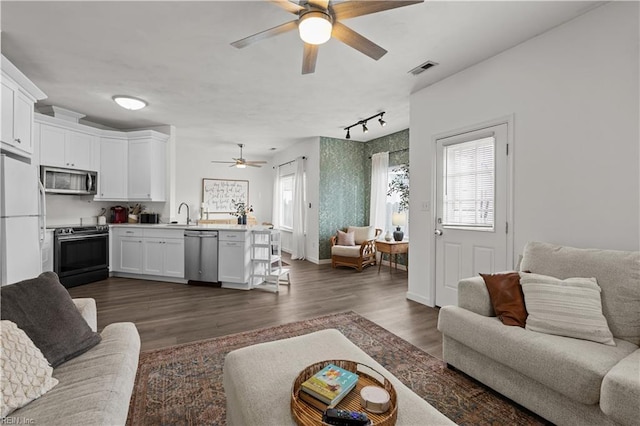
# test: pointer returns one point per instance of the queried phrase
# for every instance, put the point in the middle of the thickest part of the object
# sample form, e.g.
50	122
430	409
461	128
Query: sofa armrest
87	308
474	296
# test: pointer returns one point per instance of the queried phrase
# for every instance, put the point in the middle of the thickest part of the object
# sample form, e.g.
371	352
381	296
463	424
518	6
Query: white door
471	208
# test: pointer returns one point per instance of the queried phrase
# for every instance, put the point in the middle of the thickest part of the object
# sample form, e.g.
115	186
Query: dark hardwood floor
168	314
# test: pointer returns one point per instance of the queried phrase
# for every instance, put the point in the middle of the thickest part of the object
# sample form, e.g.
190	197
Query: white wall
573	93
193	163
309	148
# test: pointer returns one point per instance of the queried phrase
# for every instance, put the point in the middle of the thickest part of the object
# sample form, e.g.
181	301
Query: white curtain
277	200
299	212
379	188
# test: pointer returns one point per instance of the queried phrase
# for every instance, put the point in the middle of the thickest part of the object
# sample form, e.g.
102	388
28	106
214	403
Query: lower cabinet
233	259
157	252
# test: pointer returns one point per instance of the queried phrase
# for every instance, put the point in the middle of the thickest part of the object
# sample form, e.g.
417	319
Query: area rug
182	385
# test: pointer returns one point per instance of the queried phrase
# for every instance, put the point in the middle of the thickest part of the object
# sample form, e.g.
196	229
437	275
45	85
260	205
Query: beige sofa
95	387
565	380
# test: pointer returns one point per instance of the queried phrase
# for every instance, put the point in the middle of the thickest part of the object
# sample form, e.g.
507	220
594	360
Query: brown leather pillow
507	297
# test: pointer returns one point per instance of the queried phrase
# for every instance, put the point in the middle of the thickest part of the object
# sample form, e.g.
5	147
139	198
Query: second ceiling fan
318	21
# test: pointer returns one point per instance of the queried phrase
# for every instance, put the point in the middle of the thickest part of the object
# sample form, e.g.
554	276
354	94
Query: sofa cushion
346	238
617	273
43	308
620	397
25	373
572	367
347	251
363	233
506	297
568	307
95	387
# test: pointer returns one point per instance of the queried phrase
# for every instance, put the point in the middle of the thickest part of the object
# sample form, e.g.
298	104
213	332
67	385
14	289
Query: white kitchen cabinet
163	256
234	259
130	259
147	166
112	176
18	96
66	148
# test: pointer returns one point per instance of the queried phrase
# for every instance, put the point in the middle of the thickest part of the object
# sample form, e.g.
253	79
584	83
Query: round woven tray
306	414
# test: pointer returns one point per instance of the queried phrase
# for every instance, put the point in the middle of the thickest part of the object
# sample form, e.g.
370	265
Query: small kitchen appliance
68	181
149	218
119	214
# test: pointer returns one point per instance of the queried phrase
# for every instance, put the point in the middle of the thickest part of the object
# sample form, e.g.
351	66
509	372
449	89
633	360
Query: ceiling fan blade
358	42
351	9
291	25
320	4
288	6
224	162
252	165
309	57
256	162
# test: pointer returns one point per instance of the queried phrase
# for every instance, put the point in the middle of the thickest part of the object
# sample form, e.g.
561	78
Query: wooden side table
392	248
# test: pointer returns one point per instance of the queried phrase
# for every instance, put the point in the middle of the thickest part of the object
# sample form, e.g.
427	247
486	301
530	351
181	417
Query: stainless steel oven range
81	254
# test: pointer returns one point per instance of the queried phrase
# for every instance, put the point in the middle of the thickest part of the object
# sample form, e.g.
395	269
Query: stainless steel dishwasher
201	256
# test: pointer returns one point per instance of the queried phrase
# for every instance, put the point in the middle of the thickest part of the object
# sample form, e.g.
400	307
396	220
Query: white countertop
195	227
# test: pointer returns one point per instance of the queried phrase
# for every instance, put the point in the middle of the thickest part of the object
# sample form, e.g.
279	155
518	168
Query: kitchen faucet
188	216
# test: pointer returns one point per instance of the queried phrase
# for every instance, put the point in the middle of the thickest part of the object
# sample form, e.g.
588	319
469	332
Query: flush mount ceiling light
363	123
130	103
315	27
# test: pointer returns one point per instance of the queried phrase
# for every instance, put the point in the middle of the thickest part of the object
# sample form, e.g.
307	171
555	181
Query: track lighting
363	123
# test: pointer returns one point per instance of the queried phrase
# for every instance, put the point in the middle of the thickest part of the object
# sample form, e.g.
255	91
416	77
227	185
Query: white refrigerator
22	220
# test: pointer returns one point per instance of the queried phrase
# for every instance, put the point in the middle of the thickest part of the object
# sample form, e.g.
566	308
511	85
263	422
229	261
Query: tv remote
334	416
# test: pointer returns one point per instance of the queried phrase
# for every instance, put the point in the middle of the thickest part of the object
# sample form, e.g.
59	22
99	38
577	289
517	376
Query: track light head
364	127
348	134
382	122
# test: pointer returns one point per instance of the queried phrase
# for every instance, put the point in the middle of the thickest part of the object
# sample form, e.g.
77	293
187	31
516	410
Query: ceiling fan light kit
318	21
363	123
315	27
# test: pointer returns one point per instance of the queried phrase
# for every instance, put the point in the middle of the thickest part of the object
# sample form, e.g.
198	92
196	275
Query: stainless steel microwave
67	181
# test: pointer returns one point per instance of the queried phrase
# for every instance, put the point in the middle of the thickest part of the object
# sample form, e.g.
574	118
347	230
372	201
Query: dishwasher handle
192	233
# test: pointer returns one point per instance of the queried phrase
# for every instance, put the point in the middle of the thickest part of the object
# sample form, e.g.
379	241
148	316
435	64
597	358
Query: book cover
330	384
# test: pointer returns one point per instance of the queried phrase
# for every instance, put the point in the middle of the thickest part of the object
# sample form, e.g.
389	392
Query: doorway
472	207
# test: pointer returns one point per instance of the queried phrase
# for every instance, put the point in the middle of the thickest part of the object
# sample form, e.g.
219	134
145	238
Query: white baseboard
420	299
324	261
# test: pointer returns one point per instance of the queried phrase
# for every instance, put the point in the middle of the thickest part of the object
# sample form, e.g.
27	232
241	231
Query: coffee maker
119	214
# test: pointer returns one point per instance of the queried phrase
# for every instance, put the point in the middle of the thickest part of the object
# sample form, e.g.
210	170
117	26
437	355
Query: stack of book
328	387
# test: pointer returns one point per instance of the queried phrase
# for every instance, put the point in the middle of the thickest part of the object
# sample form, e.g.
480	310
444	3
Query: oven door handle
81	237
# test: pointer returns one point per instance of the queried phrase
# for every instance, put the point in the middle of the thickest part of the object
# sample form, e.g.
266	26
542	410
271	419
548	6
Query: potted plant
241	211
400	185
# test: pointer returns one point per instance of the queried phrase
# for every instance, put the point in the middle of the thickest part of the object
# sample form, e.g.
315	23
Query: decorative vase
244	219
239	220
387	236
398	235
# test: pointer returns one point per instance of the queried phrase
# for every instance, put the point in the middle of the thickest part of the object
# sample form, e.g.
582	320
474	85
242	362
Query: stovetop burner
82	230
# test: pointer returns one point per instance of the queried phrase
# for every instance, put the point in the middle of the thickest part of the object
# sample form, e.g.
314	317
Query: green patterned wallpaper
345	181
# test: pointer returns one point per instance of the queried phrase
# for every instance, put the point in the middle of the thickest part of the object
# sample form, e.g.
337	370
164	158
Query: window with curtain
393	204
286	201
469	180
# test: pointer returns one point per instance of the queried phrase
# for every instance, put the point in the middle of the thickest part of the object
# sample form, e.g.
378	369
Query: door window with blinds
469	185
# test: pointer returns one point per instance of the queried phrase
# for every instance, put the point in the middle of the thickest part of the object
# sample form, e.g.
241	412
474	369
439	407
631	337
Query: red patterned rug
182	385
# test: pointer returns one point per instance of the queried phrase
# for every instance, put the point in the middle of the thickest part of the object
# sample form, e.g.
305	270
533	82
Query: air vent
422	68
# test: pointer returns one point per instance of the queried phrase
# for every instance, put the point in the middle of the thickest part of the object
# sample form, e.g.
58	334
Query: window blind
469	183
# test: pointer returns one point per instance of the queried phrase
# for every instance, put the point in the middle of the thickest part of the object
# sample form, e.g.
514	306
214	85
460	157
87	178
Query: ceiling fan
241	163
319	20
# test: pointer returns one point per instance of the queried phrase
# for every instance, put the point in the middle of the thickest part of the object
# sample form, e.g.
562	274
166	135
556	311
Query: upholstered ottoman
258	379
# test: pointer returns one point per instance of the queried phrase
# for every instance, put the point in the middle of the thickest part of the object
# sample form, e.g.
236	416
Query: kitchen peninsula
168	252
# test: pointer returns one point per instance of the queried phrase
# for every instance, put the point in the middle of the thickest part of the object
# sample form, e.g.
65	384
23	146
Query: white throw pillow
362	233
571	307
26	373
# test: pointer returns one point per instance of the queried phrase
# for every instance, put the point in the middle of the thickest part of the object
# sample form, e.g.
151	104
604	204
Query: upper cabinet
112	177
147	166
64	147
19	95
